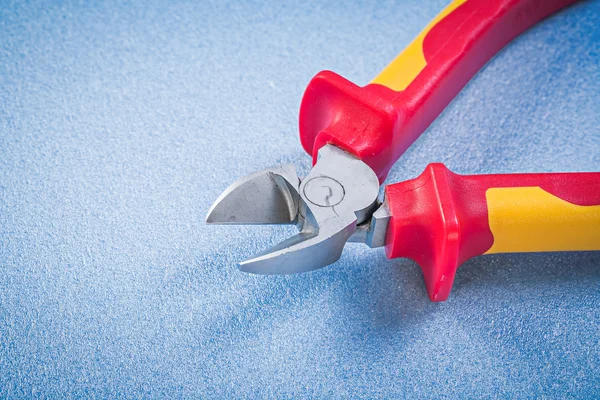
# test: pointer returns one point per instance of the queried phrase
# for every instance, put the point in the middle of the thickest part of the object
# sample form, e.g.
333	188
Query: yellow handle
411	61
529	219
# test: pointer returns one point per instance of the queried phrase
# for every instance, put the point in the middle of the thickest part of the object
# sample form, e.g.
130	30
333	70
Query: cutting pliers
439	219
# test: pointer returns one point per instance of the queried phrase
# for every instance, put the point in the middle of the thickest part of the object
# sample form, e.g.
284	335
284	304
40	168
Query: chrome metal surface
339	193
373	233
269	196
378	227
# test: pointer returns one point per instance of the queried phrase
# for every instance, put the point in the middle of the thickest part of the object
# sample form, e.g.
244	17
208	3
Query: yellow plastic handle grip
461	39
529	219
403	69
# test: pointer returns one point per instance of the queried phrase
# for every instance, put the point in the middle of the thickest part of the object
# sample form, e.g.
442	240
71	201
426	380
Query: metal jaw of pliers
439	219
335	203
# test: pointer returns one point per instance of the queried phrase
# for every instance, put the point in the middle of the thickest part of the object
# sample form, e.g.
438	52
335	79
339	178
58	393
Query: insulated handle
444	29
378	122
441	219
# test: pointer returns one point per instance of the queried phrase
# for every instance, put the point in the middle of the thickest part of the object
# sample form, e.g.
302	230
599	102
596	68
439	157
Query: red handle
442	219
378	122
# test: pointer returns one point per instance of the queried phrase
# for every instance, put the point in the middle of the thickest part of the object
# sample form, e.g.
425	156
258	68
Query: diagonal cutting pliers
439	219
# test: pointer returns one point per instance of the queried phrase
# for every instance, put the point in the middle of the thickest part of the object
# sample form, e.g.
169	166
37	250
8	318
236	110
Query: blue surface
120	124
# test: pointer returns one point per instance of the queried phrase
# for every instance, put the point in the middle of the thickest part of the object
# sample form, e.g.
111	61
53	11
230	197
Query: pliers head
339	194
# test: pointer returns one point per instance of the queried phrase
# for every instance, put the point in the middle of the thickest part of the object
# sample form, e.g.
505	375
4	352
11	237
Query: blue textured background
121	123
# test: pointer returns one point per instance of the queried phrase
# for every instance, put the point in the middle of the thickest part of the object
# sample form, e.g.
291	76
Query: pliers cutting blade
439	219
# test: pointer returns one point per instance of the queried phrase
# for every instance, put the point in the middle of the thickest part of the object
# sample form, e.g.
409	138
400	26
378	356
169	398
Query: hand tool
439	219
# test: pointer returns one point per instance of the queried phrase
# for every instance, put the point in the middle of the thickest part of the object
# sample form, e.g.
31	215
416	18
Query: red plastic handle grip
442	219
376	123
